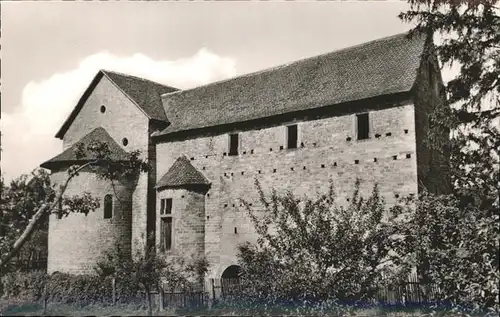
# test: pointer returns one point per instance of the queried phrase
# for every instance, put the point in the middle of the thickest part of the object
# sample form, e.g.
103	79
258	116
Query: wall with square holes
327	149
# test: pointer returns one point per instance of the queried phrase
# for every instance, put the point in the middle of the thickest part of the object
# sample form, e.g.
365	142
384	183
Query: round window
125	141
103	109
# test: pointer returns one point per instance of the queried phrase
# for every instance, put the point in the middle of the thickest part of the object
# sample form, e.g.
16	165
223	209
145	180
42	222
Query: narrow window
233	144
108	207
292	136
60	208
363	126
166	206
166	233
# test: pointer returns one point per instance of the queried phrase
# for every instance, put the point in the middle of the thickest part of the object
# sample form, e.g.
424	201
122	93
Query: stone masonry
389	79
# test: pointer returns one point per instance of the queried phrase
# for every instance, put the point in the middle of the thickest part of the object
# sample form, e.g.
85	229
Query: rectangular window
363	126
292	136
166	206
162	206
166	233
233	144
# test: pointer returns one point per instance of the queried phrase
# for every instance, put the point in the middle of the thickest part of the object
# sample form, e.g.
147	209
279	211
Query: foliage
455	247
315	250
471	40
454	239
18	204
57	288
147	271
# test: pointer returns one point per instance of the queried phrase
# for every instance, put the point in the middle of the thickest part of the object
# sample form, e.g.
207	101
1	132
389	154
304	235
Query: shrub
57	288
312	250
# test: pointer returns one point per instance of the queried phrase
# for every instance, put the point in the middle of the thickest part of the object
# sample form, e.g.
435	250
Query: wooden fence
408	293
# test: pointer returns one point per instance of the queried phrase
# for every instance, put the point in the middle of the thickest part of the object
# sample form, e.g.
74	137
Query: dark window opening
292	136
166	206
233	144
60	209
108	207
363	126
166	233
103	109
125	141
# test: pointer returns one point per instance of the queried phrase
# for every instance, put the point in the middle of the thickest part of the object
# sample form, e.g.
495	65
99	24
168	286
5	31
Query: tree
97	157
457	248
471	40
18	203
454	239
315	250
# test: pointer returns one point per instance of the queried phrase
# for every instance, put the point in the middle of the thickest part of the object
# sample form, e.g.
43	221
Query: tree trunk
25	235
150	306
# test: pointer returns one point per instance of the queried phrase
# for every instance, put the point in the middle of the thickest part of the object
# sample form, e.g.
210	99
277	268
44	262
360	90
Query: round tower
180	221
77	241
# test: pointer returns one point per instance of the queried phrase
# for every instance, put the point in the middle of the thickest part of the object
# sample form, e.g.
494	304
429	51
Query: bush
57	288
312	251
24	285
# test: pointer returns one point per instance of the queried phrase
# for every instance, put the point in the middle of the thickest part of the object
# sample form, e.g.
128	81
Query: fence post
113	285
161	296
213	288
45	298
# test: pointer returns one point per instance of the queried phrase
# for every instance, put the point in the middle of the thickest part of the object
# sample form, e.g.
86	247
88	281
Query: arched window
108	207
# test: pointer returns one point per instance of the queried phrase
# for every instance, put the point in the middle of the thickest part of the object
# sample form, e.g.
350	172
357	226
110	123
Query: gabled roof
182	173
146	94
98	134
382	67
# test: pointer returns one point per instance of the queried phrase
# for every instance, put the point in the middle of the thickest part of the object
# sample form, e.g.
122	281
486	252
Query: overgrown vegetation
315	250
313	254
149	271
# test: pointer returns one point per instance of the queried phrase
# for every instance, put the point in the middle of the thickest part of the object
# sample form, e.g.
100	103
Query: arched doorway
230	280
232	271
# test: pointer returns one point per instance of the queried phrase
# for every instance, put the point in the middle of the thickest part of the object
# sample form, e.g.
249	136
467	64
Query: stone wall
188	214
78	240
324	153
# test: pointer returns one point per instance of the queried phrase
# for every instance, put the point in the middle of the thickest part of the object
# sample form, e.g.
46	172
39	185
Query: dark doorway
232	271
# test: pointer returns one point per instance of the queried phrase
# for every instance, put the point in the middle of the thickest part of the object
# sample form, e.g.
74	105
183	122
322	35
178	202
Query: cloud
28	134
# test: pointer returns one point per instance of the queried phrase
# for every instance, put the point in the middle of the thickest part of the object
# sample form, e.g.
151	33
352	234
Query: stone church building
360	112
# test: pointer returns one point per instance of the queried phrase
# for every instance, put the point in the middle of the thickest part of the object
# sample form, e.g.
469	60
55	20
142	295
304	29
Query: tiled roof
182	173
381	67
98	134
145	93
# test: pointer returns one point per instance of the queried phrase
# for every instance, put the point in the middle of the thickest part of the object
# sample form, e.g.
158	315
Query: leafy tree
18	202
313	250
96	156
470	33
454	239
457	248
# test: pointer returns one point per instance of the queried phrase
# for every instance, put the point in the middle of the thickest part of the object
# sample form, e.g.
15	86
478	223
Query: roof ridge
136	77
273	68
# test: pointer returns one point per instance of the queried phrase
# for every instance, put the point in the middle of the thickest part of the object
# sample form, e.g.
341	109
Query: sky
51	51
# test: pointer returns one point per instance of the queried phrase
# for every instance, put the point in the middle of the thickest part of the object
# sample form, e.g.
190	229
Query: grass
26	308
